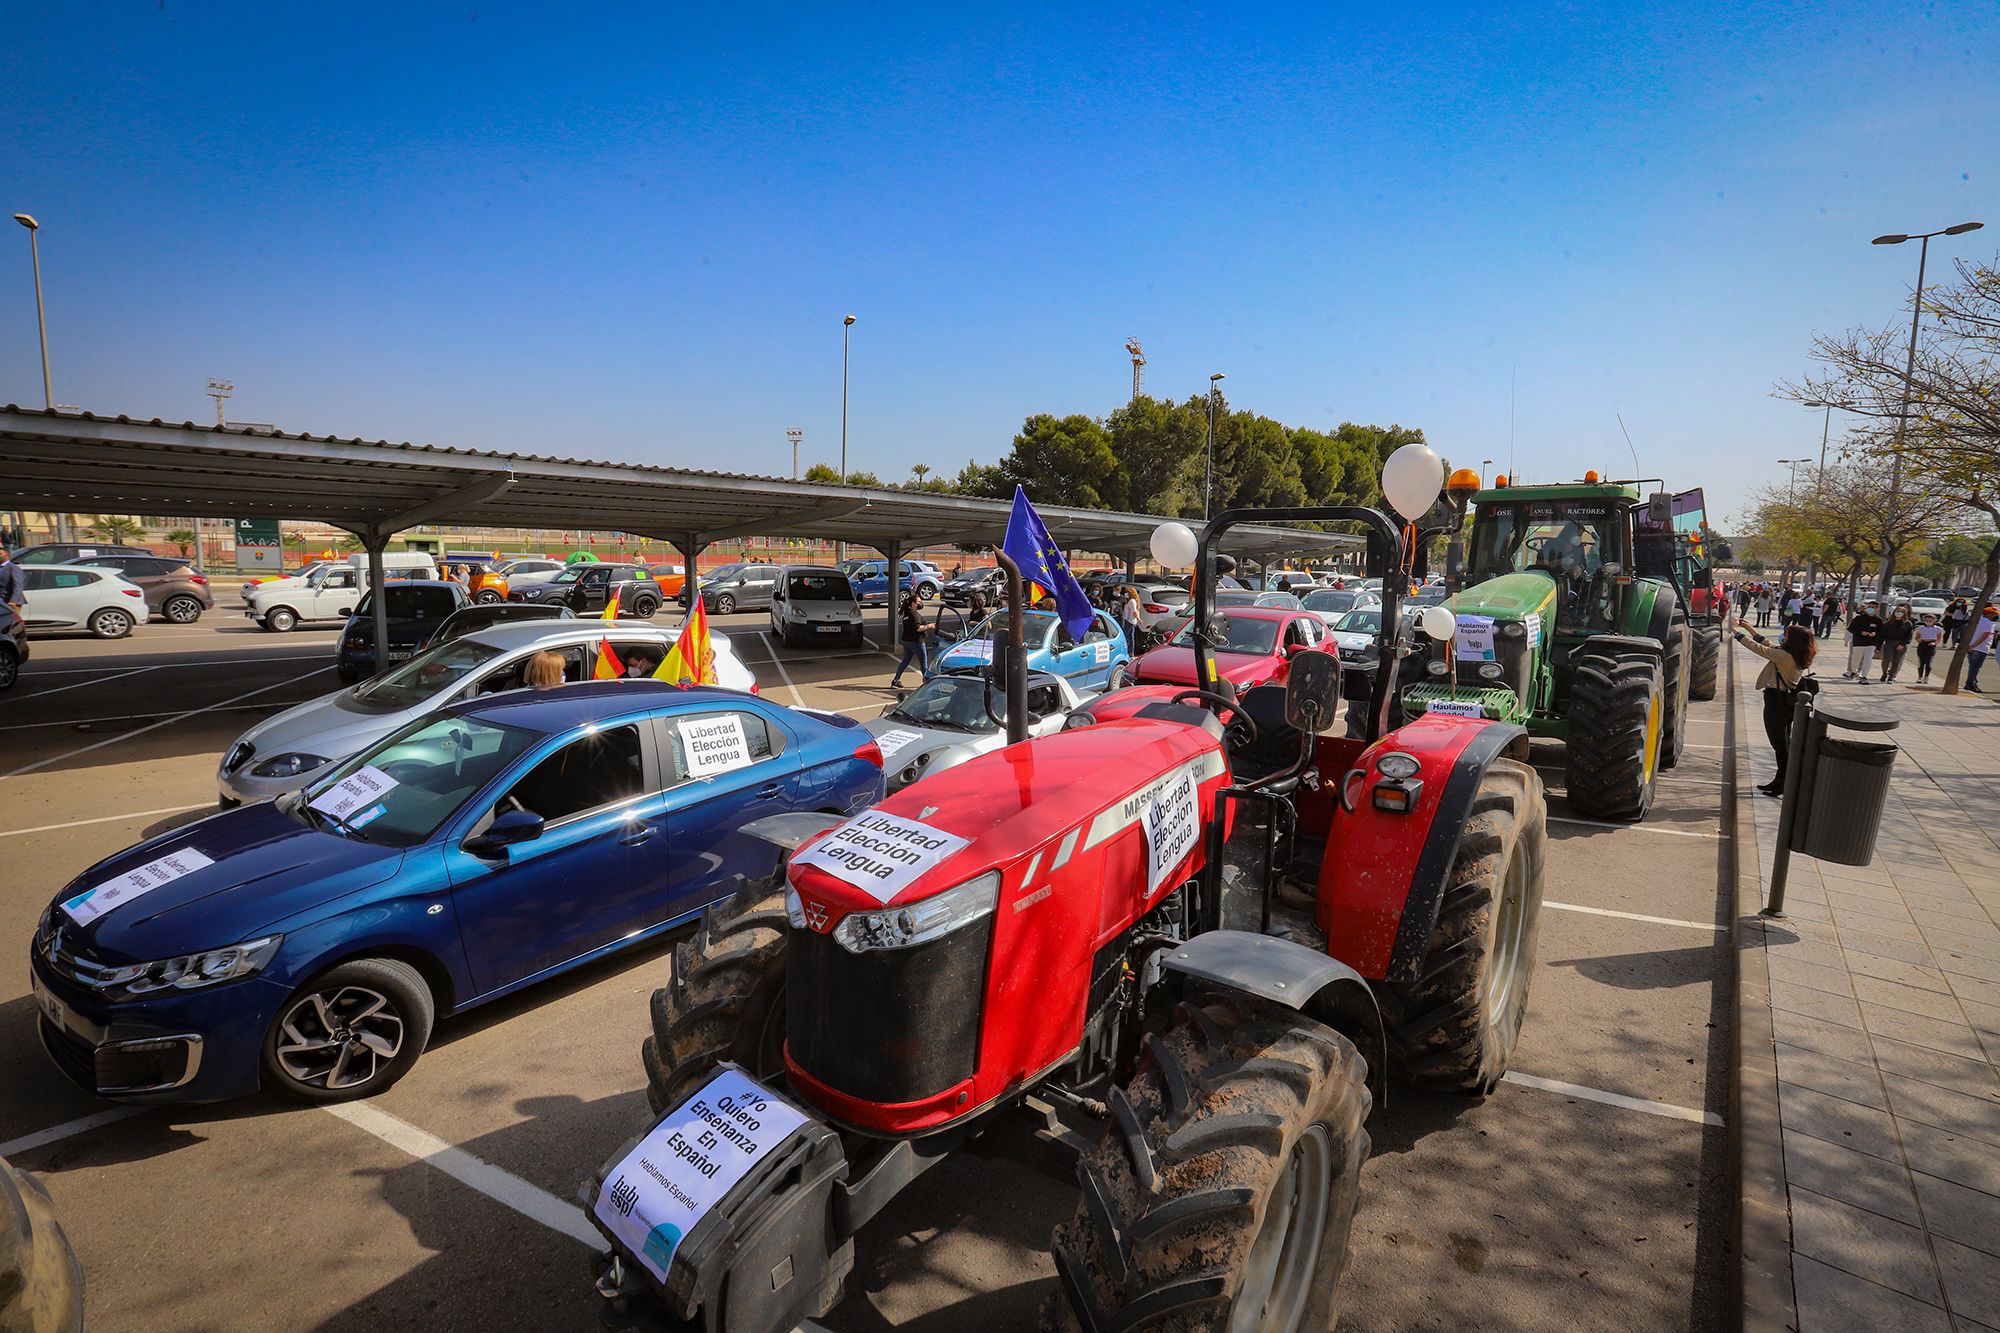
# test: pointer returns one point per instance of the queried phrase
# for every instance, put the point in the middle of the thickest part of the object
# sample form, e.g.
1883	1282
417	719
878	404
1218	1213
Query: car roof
813	569
1262	612
525	633
576	705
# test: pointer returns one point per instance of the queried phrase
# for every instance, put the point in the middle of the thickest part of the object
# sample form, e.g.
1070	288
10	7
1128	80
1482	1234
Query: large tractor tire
1673	722
1455	1025
1707	663
725	999
1616	707
1223	1193
41	1284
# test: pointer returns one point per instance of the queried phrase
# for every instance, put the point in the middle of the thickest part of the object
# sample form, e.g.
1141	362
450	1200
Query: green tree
1254	464
1153	442
982	480
113	528
183	540
1323	464
1062	461
824	474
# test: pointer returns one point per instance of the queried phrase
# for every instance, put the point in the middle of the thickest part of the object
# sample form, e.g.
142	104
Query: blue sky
632	233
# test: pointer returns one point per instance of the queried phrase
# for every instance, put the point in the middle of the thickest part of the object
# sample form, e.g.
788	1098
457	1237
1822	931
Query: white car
815	604
81	597
945	721
1330	604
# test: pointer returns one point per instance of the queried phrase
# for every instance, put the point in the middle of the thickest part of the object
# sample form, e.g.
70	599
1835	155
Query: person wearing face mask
1927	635
1897	631
1864	632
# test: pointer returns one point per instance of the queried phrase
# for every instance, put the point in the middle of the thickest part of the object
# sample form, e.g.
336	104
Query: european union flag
1029	545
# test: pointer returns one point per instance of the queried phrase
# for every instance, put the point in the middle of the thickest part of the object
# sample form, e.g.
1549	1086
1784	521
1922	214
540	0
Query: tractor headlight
1435	666
920	922
289	765
1489	671
1512	629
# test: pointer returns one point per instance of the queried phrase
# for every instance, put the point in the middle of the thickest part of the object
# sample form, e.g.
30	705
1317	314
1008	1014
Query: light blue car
1100	661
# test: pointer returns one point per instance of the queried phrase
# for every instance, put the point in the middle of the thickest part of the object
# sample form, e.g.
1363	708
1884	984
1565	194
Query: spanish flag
608	666
691	661
610	603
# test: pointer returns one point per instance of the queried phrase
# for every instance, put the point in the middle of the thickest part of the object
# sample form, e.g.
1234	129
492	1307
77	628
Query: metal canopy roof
79	463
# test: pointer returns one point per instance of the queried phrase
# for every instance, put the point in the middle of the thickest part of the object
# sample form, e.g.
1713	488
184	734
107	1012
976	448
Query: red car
1254	645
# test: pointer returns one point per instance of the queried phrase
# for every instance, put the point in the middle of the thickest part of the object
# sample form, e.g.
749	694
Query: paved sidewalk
1869	1086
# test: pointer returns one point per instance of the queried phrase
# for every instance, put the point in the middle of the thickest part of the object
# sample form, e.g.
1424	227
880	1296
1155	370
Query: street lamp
1208	482
1909	374
1819	481
35	253
840	550
1792	496
1484	463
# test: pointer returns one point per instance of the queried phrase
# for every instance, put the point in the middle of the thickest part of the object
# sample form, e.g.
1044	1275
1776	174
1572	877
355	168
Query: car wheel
280	619
724	604
487	597
10	666
110	623
1120	678
350	1032
645	608
927	591
182	610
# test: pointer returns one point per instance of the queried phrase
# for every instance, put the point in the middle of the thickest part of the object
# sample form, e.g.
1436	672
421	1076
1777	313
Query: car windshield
426	676
952	701
974	575
1034	629
569	575
1235	634
1236	597
421	776
720	573
1329	600
411	603
830	586
1358	622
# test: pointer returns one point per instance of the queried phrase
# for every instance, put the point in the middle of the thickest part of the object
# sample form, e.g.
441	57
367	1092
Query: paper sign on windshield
86	907
1474	640
974	650
880	854
713	744
1455	707
890	742
690	1160
1173	823
364	786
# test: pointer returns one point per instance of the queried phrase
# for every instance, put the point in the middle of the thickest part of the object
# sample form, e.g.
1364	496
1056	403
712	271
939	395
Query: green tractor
1556	631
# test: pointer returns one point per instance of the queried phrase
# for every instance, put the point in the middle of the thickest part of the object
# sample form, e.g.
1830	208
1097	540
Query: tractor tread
724	980
1706	671
1605	760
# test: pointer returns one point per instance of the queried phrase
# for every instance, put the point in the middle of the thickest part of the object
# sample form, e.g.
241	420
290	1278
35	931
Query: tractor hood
1509	597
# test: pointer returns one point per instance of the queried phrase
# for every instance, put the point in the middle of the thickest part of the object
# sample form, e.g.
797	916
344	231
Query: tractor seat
1277	745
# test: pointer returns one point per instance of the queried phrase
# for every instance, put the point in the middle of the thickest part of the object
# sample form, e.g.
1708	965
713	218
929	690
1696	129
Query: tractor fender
1661	624
1617	645
1288	973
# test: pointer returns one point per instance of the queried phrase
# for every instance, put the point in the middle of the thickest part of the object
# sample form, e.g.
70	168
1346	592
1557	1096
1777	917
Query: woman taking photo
1784	667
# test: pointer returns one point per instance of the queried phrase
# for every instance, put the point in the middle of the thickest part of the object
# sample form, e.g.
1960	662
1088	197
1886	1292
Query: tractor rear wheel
725	999
1707	662
1611	764
1674	680
1224	1191
1455	1025
41	1284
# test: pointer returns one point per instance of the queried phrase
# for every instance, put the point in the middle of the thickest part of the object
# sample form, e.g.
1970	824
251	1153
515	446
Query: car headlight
289	765
1489	670
920	922
194	970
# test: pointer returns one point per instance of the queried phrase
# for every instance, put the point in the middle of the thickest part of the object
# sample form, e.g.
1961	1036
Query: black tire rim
1510	932
183	610
339	1038
1279	1271
111	624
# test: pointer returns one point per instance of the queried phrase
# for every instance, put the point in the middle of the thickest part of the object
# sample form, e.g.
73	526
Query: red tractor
1185	939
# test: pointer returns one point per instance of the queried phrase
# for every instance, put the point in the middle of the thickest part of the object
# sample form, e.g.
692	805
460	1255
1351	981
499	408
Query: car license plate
688	1162
52	1009
830	629
400	657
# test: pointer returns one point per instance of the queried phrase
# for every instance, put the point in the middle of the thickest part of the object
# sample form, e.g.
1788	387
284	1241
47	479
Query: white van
815	603
330	592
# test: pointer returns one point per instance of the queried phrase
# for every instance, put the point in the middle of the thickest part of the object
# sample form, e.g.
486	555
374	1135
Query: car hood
1175	666
266	867
969	653
330	726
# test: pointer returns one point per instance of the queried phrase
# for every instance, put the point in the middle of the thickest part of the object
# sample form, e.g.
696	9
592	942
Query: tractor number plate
687	1163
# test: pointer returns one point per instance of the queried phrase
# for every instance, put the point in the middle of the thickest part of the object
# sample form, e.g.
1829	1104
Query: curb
1763	1223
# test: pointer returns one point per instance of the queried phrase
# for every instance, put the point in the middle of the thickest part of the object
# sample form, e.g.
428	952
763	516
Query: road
1591	1190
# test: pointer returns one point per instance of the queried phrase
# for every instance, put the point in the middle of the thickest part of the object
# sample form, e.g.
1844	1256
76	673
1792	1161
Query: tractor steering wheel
1240	722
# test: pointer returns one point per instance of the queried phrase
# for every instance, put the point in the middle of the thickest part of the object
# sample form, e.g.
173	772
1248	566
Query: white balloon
1438	622
1411	480
1174	545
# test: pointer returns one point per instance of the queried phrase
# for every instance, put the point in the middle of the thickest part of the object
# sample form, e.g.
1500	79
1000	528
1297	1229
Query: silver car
284	753
944	722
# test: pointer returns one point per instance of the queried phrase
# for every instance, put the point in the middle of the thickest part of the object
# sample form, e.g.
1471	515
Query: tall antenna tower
1138	364
219	390
794	434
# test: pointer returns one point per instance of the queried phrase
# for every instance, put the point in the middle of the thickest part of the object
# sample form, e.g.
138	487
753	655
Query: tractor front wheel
1617	704
1707	663
1223	1193
1455	1026
725	999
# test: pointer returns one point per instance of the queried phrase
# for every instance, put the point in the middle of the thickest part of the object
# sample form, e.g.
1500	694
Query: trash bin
1850	786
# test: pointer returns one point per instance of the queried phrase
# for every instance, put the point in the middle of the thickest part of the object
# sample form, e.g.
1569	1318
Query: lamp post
1208	480
796	435
1484	463
1909	374
41	321
840	549
1819	482
1792	499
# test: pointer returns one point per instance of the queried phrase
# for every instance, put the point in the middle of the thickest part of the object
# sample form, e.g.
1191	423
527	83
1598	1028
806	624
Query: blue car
871	581
306	945
1099	661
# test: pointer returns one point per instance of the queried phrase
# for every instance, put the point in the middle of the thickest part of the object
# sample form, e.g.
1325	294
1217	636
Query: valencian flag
691	661
1029	545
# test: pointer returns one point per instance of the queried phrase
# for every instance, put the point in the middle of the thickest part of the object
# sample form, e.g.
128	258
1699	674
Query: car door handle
637	834
770	791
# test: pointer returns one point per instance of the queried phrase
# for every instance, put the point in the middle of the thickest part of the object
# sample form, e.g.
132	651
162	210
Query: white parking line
1666	1109
1632	916
77	685
128	717
797	698
1636	828
31	673
107	819
57	1133
530	1201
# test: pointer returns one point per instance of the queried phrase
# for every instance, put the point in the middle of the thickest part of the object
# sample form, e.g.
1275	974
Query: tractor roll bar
1381	527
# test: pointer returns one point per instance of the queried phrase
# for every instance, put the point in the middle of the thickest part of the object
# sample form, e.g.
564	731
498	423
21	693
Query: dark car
990	583
306	945
13	646
584	588
174	592
63	553
417	607
485	615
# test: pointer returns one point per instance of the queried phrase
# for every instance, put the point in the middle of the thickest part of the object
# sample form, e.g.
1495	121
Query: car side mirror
1312	689
345	611
508	828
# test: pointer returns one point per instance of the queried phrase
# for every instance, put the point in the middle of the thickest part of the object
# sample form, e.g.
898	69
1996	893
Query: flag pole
1016	657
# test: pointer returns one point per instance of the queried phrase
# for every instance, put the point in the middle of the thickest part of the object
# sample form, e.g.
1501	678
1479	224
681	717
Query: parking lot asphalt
1591	1190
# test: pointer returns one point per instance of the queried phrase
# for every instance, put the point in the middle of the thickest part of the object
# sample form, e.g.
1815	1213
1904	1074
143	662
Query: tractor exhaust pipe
1014	656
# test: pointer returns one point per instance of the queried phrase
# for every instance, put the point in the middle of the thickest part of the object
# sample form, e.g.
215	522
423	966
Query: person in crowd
1784	666
1793	602
1744	595
1128	616
1955	617
1809	611
1829	614
640	663
1767	602
1927	634
1864	633
914	649
1897	631
543	672
13	584
1980	647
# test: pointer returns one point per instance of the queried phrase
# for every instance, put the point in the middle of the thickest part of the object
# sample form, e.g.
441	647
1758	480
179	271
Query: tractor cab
1581	544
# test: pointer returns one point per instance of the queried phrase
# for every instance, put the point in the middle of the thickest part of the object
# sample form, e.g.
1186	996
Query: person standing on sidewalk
1927	636
1897	632
1980	648
1128	615
1864	632
1784	667
913	640
13	584
1793	604
1829	616
1765	601
1954	621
